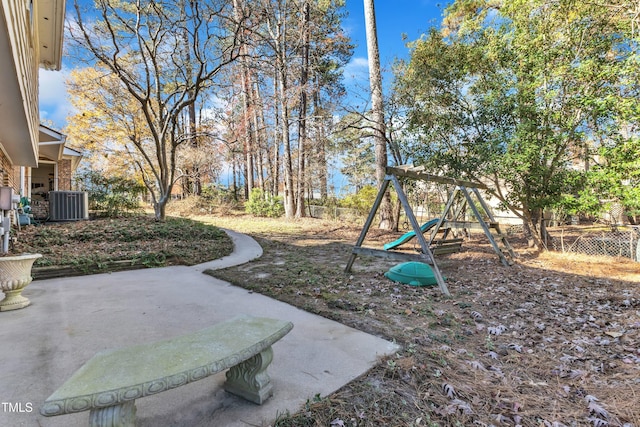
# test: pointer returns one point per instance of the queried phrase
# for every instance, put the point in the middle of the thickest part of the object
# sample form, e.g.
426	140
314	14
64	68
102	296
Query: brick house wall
64	175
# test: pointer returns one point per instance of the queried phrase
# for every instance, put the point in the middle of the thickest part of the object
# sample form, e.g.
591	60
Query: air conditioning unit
68	205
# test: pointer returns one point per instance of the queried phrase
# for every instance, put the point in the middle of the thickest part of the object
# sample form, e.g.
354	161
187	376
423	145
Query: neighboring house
31	34
56	165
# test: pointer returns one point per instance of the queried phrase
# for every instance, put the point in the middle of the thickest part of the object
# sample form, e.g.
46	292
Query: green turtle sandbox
412	273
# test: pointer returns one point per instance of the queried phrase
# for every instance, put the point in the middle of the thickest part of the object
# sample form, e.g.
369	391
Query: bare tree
276	35
164	54
292	59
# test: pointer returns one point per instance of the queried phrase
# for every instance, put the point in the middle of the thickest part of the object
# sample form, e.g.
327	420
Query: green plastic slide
411	234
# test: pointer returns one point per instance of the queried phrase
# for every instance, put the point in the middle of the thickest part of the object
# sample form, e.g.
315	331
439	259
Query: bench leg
123	415
250	380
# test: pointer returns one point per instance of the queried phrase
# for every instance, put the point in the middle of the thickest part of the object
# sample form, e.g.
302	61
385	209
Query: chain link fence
335	213
616	243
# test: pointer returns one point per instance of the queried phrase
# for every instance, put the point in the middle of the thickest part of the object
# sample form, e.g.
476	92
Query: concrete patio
71	319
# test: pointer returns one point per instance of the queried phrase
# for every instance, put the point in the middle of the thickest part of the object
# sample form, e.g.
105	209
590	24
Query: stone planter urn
15	275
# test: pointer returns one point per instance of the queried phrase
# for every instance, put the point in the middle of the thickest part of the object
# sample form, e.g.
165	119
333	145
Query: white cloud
52	89
357	69
54	102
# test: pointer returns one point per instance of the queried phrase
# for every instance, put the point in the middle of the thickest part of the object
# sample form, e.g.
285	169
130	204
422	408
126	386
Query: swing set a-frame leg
484	225
427	255
367	224
426	252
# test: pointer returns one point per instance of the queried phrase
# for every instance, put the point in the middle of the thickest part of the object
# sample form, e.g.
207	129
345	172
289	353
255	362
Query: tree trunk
302	137
322	169
192	182
289	190
275	171
260	168
196	183
531	222
321	152
235	180
246	104
260	132
159	209
375	83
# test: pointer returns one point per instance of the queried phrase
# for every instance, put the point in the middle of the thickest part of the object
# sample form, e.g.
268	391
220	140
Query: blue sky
394	17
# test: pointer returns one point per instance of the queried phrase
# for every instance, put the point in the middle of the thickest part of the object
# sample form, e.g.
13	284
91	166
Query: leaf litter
567	327
552	340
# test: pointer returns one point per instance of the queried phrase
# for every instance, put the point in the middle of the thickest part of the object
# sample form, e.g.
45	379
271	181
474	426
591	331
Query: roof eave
51	33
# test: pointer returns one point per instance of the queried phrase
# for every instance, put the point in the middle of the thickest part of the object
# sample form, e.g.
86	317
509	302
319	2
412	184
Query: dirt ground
553	340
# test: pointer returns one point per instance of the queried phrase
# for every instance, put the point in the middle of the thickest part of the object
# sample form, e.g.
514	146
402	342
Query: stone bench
109	382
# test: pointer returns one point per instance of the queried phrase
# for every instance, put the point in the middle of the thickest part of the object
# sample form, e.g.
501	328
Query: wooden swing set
463	191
